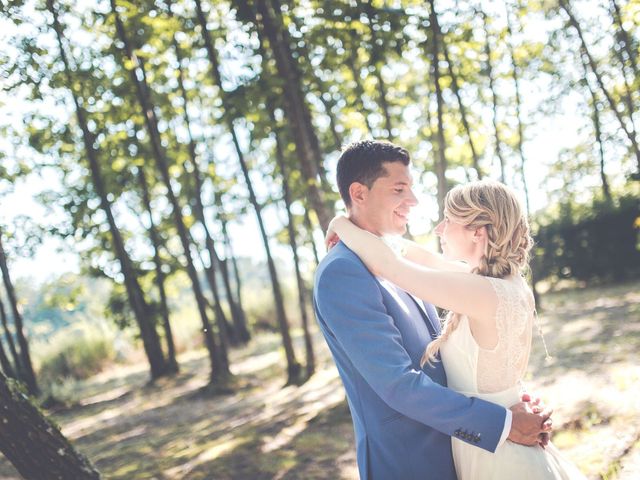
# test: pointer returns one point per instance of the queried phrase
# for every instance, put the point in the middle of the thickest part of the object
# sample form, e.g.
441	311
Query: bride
486	338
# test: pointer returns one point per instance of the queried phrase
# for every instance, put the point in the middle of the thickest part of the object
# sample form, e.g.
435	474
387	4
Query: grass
264	430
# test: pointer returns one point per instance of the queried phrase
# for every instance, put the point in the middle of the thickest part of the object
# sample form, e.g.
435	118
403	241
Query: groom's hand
529	427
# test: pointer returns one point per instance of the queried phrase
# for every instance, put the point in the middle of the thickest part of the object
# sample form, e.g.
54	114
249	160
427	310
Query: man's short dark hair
363	162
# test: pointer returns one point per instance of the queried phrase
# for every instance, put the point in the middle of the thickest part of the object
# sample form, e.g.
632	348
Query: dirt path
264	431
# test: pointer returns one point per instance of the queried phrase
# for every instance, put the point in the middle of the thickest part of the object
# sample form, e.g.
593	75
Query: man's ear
358	193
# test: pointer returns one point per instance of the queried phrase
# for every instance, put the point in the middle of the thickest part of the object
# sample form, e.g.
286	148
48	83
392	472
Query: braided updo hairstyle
492	205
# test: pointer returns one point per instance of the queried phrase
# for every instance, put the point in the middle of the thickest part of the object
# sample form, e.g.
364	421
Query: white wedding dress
495	375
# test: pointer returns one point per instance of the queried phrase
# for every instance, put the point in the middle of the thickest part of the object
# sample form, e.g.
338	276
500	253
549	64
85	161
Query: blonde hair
494	206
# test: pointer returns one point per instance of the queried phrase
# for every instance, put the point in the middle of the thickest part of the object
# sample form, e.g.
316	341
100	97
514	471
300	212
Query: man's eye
399	190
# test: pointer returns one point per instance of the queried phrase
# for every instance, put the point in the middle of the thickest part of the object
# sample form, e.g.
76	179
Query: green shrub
599	242
77	355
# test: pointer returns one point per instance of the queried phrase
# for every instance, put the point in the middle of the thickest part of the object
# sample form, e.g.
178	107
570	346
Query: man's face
385	206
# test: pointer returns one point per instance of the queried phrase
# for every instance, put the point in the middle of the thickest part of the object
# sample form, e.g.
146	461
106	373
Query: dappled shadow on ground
173	429
300	447
263	430
593	379
175	438
588	330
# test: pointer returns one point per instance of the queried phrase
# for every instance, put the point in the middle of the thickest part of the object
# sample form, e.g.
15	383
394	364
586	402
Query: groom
403	415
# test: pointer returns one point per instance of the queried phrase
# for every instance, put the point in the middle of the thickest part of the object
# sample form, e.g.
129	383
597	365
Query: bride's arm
410	250
421	255
465	293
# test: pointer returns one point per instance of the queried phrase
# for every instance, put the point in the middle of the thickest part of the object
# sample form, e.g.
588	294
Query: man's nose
412	200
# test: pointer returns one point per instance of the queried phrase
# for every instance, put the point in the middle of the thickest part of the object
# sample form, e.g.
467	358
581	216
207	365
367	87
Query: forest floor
264	430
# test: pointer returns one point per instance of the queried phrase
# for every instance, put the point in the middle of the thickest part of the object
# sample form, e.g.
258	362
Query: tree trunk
219	362
606	191
328	108
377	57
537	299
240	331
239	317
225	329
296	109
317	155
475	159
354	68
598	133
228	253
232	335
525	185
7	368
328	104
27	373
160	277
12	346
494	96
631	134
309	227
150	339
228	333
456	90
333	124
627	95
628	44
516	82
302	288
441	160
33	444
293	367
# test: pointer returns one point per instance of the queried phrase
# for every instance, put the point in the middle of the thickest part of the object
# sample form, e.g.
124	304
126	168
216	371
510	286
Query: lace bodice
505	365
473	369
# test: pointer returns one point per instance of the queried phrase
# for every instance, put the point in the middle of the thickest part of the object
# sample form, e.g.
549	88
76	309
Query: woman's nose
439	228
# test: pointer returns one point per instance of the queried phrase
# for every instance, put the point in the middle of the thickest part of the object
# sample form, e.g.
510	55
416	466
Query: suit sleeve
349	301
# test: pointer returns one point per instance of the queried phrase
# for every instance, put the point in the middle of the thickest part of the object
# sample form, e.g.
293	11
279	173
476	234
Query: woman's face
456	239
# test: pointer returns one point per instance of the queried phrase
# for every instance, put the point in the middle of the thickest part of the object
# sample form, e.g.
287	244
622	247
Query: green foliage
598	243
366	70
66	300
77	354
118	308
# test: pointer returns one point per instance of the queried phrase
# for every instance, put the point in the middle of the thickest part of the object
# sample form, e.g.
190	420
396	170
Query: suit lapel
427	314
432	315
428	311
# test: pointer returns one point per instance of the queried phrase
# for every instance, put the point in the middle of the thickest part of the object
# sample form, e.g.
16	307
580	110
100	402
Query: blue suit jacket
402	415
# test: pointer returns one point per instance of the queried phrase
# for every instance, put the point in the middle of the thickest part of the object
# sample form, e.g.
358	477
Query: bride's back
504	366
472	369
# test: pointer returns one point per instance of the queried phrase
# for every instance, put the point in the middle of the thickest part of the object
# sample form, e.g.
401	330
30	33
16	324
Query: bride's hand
537	406
332	238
